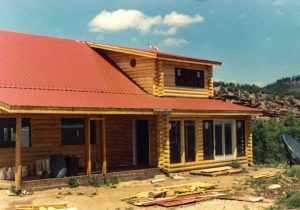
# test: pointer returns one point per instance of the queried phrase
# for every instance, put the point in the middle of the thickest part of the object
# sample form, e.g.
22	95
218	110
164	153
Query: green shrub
95	182
111	181
268	146
235	164
73	182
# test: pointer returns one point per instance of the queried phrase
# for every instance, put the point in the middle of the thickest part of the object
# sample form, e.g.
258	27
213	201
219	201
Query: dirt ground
108	198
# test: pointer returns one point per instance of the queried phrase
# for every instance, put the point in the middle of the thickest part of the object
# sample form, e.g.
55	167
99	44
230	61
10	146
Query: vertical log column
163	141
104	162
87	125
249	145
18	158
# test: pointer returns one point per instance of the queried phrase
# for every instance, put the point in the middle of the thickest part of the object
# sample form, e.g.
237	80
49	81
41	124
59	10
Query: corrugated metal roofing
70	99
38	71
31	61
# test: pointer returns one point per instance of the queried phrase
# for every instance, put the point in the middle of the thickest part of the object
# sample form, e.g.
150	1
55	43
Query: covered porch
104	146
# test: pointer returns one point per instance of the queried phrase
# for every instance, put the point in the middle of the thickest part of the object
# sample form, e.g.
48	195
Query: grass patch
289	201
293	172
263	183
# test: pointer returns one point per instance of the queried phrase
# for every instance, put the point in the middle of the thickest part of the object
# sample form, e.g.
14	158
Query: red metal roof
38	71
70	99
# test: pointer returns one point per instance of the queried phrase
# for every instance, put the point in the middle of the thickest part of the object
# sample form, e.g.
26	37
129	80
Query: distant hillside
277	99
284	86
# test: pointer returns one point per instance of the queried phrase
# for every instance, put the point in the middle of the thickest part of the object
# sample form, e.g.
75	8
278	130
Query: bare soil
85	197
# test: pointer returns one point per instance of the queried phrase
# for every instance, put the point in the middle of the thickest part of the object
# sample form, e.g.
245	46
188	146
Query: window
8	132
72	131
93	129
208	140
189	78
175	142
189	138
182	136
240	137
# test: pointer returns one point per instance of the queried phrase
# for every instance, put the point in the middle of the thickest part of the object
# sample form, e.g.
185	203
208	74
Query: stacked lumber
226	170
176	195
263	175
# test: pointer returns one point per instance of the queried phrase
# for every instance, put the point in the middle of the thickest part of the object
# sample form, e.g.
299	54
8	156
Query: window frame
12	142
80	135
192	78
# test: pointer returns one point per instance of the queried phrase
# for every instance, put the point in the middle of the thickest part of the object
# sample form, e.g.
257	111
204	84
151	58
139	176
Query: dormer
162	74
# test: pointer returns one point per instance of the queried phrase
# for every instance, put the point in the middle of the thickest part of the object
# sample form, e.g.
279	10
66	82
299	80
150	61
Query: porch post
88	165
104	163
18	159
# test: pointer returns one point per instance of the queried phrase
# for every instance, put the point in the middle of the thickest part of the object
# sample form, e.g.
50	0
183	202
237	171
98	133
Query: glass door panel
175	139
228	138
219	152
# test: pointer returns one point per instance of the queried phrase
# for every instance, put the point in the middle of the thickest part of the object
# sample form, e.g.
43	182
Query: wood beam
87	126
18	157
104	162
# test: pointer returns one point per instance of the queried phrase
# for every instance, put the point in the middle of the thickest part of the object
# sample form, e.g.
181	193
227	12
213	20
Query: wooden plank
18	155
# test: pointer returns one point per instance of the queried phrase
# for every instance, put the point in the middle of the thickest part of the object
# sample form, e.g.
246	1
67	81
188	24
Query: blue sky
258	41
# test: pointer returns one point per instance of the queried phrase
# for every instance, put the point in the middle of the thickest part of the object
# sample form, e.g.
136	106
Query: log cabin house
117	109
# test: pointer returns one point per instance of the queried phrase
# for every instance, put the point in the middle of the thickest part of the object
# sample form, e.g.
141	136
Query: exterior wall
120	135
46	140
143	73
169	88
200	162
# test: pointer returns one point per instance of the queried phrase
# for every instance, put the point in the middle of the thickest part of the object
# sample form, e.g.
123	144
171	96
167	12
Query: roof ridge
69	90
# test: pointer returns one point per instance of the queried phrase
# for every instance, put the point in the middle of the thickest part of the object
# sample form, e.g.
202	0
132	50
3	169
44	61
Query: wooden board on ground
62	205
211	170
217	173
264	175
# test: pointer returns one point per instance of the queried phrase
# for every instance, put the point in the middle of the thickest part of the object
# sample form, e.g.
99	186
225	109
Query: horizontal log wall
143	73
46	140
168	69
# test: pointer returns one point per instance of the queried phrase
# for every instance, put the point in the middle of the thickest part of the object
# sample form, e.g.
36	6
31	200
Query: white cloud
123	19
279	12
177	19
278	2
167	32
174	42
257	83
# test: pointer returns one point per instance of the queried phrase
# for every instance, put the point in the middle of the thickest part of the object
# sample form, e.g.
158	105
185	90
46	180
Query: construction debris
157	180
176	195
226	170
251	199
61	206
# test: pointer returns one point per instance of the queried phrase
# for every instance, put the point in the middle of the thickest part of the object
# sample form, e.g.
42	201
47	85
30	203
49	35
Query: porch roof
14	99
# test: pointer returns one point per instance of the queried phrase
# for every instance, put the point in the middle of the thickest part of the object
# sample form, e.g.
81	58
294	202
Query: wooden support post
88	146
18	172
104	163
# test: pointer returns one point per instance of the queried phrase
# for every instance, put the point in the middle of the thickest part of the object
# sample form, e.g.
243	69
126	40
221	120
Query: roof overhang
153	54
4	108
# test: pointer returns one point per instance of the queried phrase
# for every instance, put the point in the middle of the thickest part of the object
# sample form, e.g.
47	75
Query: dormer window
189	78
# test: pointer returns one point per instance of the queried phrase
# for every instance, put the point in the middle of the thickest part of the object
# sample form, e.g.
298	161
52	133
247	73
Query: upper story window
189	77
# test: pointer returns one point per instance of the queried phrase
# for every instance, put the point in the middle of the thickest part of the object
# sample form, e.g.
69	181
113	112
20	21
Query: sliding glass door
224	140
